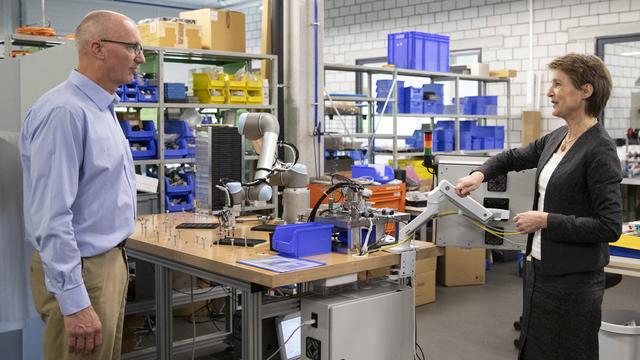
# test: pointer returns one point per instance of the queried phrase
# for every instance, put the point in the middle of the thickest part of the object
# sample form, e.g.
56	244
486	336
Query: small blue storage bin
150	153
357	155
181	189
187	204
418	50
366	170
416	140
299	240
433	93
432	108
413	107
148	130
180	127
382	91
445	124
147	94
175	92
178	153
413	94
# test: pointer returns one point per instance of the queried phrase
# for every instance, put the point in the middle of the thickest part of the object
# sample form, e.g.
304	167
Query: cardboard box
171	34
425	287
191	36
221	30
503	73
530	127
373	274
159	33
425	265
131	323
461	266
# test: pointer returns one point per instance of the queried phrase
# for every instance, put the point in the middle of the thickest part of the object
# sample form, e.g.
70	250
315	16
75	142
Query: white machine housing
514	192
375	323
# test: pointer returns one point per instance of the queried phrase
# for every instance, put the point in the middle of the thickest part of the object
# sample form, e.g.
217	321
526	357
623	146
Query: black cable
354	186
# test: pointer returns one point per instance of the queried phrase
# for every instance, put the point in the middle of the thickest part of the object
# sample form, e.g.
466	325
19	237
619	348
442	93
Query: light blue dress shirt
79	183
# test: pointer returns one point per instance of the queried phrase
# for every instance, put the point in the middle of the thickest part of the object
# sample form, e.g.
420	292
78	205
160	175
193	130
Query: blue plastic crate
449	109
417	50
476	143
413	94
181	189
433	93
357	155
180	127
148	131
299	240
413	107
488	143
432	108
445	124
478	105
366	170
147	94
178	153
441	134
416	140
185	205
129	97
442	146
130	88
175	92
382	91
150	153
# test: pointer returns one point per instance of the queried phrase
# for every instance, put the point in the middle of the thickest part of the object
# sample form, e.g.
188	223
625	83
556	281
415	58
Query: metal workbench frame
253	309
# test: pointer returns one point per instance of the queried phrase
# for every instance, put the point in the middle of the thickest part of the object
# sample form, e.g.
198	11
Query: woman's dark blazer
582	198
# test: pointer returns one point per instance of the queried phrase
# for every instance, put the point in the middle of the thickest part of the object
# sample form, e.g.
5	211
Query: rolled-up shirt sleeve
56	149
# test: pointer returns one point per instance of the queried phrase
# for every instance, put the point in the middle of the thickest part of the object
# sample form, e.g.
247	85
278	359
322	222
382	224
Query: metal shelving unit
200	57
394	73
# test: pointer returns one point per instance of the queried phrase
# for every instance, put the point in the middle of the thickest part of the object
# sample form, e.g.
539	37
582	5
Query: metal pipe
44	21
315	81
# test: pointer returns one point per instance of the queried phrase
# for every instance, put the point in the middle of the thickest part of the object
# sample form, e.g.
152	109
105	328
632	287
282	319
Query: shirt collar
96	93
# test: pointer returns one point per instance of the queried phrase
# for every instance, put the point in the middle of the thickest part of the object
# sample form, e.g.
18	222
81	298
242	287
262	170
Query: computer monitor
285	326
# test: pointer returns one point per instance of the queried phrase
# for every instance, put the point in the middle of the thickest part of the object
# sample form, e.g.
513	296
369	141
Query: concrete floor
476	322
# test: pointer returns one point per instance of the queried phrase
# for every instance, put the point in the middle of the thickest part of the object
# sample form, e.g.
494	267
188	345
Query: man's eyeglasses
135	47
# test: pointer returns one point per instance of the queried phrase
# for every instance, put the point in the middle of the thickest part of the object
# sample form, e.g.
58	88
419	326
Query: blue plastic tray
299	240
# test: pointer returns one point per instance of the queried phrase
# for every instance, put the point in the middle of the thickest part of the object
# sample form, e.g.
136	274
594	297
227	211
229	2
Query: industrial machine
262	130
376	322
359	227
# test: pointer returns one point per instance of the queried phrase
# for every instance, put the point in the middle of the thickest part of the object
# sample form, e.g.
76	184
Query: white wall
624	72
358	29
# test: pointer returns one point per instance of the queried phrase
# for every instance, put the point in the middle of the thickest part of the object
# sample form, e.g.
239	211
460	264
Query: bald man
80	194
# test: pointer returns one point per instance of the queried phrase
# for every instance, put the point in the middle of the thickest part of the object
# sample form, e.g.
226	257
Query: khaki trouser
106	278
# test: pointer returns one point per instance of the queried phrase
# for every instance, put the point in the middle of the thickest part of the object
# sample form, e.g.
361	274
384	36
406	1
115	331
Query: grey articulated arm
264	127
444	190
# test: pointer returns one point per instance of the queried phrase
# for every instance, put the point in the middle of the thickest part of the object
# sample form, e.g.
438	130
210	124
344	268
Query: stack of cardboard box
197	29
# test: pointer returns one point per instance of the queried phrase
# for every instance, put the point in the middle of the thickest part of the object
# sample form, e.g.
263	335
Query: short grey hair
95	26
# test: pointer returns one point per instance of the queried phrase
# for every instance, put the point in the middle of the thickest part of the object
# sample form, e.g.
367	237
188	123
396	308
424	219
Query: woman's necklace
566	142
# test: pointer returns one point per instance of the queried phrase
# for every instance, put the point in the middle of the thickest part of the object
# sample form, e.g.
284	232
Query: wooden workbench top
198	248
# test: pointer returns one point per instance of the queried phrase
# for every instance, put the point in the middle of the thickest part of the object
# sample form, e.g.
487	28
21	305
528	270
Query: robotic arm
263	129
445	190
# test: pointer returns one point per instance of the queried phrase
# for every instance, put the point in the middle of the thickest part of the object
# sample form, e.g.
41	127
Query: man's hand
84	331
469	183
531	221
